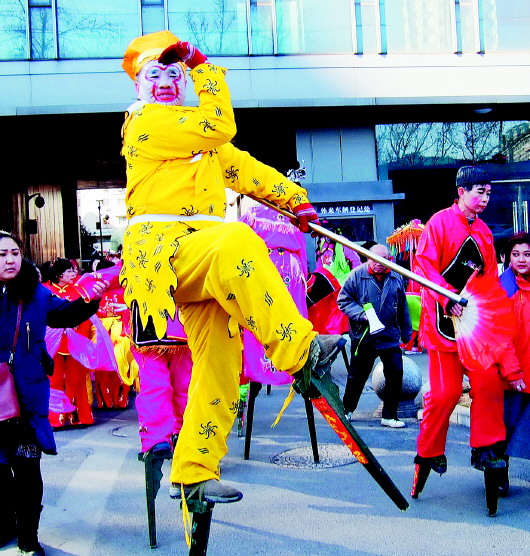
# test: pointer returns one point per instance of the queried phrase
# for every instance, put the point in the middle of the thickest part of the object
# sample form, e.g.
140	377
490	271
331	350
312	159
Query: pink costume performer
286	244
164	373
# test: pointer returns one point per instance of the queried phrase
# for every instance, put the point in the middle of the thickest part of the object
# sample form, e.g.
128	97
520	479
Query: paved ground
95	505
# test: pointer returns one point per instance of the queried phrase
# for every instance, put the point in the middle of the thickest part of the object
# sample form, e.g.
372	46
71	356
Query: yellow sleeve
244	174
159	132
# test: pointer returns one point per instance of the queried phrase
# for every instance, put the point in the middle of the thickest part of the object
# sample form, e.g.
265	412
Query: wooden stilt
200	528
253	392
421	473
492	481
312	429
153	475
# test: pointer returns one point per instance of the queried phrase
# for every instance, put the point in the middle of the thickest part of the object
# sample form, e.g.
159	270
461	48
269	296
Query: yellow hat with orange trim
144	49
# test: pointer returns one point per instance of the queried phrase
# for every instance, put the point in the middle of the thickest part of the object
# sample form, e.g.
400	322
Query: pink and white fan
487	325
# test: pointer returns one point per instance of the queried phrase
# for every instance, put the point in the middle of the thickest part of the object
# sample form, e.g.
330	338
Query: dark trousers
360	368
21	488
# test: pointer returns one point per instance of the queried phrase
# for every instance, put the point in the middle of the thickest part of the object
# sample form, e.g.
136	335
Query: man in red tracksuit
454	244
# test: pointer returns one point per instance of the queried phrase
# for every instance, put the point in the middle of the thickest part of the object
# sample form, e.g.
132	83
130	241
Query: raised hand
305	213
182	52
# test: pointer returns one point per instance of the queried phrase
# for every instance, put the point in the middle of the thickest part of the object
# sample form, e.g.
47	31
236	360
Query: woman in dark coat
24	438
516	281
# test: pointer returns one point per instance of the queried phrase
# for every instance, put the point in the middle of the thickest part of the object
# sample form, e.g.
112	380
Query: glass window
96	28
418	26
311	27
261	26
152	19
42	38
506	25
13	31
469	25
438	143
368	12
216	27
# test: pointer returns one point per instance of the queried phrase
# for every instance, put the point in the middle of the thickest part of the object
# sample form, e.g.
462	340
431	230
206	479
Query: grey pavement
94	500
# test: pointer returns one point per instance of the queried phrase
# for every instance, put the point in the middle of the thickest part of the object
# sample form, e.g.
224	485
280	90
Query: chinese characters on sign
344	209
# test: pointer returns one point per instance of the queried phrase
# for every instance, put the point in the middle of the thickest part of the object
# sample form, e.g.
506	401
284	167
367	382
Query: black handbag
9	406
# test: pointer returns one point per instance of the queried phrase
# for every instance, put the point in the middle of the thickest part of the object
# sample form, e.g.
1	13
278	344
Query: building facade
380	100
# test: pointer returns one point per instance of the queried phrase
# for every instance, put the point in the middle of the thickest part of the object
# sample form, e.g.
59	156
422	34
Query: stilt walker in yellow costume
178	252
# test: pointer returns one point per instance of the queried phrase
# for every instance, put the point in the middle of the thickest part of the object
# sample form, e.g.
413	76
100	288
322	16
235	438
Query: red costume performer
69	376
454	244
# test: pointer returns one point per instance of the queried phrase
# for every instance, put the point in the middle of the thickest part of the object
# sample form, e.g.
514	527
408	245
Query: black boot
490	460
437	463
27	528
422	469
487	457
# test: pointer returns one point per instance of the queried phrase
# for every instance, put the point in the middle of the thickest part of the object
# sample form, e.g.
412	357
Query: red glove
182	52
305	213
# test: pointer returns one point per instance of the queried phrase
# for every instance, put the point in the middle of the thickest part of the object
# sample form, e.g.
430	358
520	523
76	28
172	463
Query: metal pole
100	227
26	230
370	255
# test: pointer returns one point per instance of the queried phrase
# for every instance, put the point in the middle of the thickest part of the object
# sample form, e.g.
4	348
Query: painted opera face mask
161	84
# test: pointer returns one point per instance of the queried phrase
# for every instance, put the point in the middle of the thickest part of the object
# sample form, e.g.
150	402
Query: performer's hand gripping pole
320	230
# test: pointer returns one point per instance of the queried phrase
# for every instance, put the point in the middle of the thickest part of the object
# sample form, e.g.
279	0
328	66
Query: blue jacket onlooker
32	363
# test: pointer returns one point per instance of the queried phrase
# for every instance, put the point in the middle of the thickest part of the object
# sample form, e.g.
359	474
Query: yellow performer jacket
179	161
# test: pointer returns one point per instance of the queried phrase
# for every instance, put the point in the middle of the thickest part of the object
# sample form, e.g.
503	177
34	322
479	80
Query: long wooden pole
320	230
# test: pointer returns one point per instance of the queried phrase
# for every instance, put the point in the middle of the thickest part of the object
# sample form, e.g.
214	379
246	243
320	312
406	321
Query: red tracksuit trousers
487	407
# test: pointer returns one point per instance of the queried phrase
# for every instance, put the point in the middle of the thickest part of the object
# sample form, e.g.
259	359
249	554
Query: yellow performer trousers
226	280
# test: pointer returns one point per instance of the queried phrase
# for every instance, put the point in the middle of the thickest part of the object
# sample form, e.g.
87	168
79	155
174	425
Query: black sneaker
31	550
436	463
210	490
322	352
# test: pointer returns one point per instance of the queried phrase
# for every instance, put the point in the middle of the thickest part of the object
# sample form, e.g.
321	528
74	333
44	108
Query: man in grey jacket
374	283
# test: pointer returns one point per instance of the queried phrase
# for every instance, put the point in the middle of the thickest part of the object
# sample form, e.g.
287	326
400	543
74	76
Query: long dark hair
4	234
23	285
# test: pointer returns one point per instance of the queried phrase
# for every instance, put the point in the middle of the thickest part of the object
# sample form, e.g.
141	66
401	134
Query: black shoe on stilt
422	469
488	459
323	350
